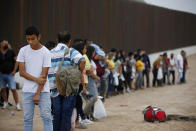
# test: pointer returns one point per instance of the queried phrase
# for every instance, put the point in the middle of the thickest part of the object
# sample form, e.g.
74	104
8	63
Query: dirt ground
124	111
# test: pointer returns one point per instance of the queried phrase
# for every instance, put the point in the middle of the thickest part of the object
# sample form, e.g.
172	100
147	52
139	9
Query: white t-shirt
34	61
179	62
172	64
94	67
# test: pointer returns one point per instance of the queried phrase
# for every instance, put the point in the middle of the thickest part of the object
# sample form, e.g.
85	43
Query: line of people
103	74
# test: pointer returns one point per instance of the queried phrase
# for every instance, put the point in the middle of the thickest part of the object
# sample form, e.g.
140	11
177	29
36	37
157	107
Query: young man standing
8	67
63	106
34	61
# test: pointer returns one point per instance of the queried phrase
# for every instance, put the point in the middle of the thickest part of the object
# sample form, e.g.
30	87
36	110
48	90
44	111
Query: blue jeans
7	79
92	91
139	79
62	109
183	76
45	110
103	87
179	75
110	84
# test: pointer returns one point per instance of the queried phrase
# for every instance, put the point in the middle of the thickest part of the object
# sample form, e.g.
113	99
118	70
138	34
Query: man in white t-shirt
34	61
179	65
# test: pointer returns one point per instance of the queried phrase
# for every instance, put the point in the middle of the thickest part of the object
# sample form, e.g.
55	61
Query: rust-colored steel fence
122	24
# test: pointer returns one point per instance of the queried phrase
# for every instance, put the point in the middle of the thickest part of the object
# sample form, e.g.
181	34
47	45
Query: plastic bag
99	110
116	81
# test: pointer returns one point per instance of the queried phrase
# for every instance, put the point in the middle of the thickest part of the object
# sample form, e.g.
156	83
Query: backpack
100	70
152	114
67	78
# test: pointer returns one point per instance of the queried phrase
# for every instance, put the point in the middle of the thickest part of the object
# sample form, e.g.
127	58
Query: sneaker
81	126
5	105
128	90
87	121
18	107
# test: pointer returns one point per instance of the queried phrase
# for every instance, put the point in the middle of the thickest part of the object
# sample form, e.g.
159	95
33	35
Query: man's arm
44	75
82	67
15	67
27	76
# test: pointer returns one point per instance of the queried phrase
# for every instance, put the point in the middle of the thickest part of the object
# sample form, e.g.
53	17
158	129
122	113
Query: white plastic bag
99	110
116	81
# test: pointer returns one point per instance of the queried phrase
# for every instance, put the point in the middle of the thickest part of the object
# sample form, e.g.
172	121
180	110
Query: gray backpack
67	78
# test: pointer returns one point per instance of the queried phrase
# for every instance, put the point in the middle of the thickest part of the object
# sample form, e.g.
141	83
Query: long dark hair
79	46
89	52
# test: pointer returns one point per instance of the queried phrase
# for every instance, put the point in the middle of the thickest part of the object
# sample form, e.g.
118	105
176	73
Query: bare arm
15	67
91	73
44	74
27	76
82	67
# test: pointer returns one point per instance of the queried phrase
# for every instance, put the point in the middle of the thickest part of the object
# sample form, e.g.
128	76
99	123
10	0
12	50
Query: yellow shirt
87	67
139	65
111	64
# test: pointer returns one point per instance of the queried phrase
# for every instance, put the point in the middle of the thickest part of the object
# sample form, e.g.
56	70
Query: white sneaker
128	90
5	105
87	121
18	107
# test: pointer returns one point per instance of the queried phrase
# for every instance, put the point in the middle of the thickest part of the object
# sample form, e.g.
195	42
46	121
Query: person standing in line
165	66
34	61
179	66
63	106
156	66
111	67
139	69
93	78
147	66
81	47
8	67
172	68
185	67
130	71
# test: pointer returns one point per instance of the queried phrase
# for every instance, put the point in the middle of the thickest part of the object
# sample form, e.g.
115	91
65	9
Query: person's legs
12	86
28	109
173	76
155	72
111	84
168	79
79	104
45	110
183	76
104	87
3	82
92	91
147	78
140	78
143	74
57	103
68	105
164	75
137	80
179	75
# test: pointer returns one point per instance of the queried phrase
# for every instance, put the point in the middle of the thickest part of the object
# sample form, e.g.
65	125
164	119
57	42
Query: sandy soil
124	111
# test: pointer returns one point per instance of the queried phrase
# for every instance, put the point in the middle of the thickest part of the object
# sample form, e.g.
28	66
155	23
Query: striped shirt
56	56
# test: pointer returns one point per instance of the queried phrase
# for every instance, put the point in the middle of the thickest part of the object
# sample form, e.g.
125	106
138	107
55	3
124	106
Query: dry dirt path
124	111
